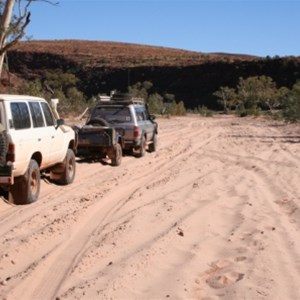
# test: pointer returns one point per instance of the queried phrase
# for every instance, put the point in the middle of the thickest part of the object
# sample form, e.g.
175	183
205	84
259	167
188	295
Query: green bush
203	111
291	104
71	100
158	104
254	111
155	103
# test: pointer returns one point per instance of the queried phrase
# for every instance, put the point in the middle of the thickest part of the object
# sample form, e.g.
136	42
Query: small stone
4	282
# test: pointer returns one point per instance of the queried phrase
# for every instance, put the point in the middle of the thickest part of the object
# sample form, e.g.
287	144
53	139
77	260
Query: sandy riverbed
213	214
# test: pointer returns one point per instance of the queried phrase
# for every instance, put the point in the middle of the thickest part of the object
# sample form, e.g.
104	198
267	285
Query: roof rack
128	101
125	99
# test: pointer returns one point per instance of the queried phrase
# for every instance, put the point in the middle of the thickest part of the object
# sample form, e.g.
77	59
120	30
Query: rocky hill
105	66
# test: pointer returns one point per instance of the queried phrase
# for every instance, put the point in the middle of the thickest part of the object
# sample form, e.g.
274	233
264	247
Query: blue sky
262	27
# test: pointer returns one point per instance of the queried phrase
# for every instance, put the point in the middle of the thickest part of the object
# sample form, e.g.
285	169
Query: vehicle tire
3	147
68	171
141	151
98	122
117	158
26	188
153	145
122	96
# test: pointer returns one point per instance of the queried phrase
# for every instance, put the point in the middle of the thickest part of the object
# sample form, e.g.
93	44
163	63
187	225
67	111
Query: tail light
10	156
136	132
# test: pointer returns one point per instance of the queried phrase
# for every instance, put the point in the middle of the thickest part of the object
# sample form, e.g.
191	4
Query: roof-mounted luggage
126	99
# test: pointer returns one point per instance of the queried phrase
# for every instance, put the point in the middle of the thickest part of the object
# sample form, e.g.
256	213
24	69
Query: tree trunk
5	21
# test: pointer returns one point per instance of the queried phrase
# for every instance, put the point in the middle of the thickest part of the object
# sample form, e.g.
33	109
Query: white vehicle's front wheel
65	172
26	188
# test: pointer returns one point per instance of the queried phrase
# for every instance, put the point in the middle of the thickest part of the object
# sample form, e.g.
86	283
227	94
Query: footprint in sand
221	273
223	280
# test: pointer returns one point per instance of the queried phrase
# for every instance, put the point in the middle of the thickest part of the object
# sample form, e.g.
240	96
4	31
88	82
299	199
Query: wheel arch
37	156
73	144
144	134
121	141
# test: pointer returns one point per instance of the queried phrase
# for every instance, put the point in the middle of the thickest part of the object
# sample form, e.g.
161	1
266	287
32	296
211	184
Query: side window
139	114
20	115
36	113
48	114
145	115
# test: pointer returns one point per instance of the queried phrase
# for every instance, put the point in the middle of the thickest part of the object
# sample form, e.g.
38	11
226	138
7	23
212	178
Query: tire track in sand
61	261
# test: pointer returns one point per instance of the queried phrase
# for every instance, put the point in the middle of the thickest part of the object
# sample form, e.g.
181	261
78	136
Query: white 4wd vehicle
33	140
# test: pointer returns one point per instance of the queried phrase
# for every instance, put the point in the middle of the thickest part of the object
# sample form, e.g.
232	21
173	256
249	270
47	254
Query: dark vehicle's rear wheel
141	151
117	155
153	145
26	189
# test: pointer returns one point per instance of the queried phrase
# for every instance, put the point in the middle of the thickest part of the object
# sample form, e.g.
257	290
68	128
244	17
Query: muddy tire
141	151
117	157
153	145
26	189
65	173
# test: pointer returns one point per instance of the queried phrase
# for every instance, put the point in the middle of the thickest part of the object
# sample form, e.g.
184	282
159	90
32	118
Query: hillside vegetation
81	70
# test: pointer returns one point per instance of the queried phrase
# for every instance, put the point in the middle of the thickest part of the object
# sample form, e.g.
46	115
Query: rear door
144	121
41	132
56	136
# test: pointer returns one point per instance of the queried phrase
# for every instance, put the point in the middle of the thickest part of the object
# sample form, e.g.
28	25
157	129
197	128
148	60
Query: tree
227	97
140	89
4	29
267	93
12	28
247	92
180	109
33	88
258	92
156	104
59	80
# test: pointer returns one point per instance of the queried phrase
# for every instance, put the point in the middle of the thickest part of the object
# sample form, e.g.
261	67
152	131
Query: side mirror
59	122
152	117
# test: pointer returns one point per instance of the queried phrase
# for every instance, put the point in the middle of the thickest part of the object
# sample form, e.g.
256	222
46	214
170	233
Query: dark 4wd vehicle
131	115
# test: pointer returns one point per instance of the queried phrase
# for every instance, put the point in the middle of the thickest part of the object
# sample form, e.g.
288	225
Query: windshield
112	114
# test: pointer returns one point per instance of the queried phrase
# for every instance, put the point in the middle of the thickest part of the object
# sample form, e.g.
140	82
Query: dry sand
213	214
